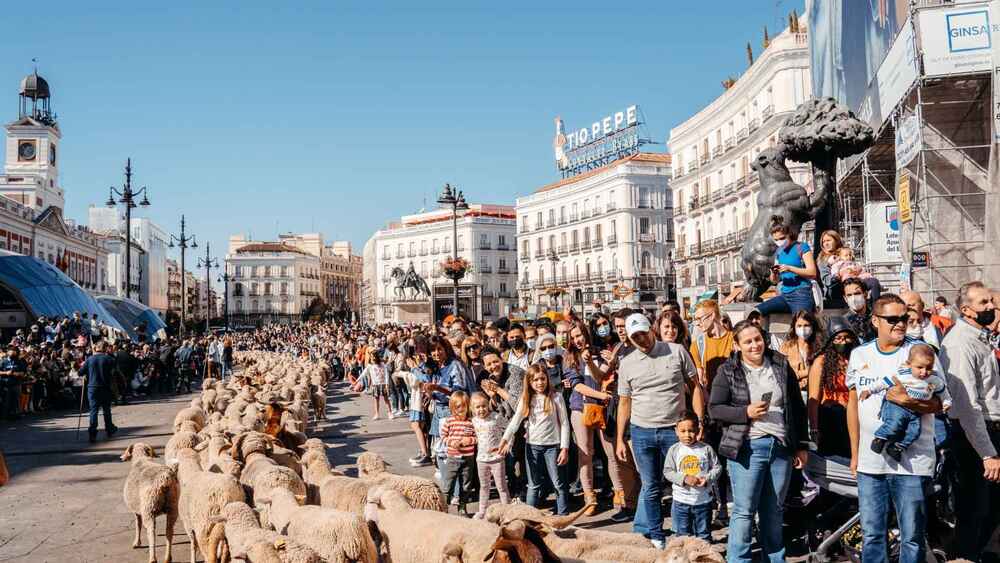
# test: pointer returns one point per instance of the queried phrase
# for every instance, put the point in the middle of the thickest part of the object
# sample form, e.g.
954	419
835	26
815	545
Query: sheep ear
127	455
301	499
200	446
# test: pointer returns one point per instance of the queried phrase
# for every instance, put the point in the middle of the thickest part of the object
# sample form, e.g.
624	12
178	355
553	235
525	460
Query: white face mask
914	332
855	302
803	332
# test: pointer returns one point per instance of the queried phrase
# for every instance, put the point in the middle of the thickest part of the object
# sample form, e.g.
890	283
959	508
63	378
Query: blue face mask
604	331
550	354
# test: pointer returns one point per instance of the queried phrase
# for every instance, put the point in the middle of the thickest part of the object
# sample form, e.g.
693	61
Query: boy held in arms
901	426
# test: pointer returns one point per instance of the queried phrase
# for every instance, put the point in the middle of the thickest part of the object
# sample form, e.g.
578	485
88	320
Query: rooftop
658	158
269	247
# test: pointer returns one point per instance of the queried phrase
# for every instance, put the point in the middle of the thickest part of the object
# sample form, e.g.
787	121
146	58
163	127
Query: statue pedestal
778	324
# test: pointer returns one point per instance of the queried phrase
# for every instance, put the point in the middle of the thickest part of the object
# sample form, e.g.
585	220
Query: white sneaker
375	417
658	544
392	415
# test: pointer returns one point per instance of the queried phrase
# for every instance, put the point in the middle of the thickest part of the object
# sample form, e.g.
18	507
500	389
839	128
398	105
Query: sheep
561	525
316	469
272	477
150	490
184	438
208	397
687	549
421	492
248	540
414	536
337	536
203	495
319	404
194	414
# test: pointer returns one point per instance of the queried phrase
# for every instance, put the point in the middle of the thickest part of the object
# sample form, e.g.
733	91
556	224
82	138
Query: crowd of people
734	423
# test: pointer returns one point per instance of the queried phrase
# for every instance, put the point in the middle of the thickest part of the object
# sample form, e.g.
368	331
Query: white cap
636	322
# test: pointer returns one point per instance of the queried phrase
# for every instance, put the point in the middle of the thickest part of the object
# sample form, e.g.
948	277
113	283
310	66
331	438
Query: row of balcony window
731	189
445	251
712	246
560	280
711	279
565	249
574	217
727	145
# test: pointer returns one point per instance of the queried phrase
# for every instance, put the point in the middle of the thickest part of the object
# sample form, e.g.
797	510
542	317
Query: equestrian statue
409	280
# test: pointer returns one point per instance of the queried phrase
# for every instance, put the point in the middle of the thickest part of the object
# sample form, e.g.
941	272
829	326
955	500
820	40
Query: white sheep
248	540
193	413
421	492
337	536
186	437
150	490
203	495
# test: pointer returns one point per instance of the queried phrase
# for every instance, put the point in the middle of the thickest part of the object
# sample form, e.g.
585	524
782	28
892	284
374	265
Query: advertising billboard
882	236
848	39
958	39
609	138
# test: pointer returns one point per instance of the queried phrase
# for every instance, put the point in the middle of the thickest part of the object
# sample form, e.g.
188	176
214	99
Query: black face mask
517	344
844	348
986	318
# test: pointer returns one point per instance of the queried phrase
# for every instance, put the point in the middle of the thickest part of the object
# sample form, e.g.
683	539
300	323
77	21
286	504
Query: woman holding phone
756	399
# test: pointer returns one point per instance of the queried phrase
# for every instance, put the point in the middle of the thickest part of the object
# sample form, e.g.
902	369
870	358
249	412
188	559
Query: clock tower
31	169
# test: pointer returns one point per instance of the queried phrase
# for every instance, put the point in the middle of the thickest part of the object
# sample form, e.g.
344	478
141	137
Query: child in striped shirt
458	435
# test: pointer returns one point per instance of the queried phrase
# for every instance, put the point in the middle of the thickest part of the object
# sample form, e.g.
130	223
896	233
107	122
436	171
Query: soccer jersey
867	367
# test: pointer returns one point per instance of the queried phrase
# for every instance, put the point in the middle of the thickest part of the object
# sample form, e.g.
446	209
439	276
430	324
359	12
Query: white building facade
715	190
270	280
485	238
602	235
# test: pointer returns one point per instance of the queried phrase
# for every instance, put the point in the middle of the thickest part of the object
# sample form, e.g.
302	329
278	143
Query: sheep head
137	450
370	464
687	549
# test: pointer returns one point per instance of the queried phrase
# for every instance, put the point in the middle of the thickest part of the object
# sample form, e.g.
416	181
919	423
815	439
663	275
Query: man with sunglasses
882	479
974	382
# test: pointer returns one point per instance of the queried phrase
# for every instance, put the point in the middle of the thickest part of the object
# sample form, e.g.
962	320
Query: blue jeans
650	446
907	495
799	299
542	462
899	424
99	398
692	520
760	475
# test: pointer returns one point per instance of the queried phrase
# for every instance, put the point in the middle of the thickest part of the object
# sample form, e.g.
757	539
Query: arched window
646	262
541	274
586	268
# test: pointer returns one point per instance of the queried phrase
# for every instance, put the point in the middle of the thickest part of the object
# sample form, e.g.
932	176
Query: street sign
905	209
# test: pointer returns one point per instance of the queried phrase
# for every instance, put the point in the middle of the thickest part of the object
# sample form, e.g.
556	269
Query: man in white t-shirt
880	478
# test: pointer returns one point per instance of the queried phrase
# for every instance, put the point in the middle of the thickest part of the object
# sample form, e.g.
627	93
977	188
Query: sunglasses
548	347
894	319
472	347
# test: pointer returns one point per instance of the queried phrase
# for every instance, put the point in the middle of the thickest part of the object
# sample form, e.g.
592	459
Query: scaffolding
953	195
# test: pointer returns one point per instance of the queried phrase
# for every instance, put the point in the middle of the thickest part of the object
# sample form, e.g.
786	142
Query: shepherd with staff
99	371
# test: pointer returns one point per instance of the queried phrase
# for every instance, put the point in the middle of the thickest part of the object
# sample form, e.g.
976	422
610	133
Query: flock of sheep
249	484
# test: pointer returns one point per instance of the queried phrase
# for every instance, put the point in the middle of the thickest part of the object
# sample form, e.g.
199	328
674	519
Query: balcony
730	143
563	250
434	250
400	255
678	172
525	257
691	167
539	254
503	270
742	134
575	247
754	124
585	245
596	211
612	240
647	237
524	283
503	246
694	250
696	202
524	228
550	223
503	293
423	252
717	151
679	252
611	207
767	113
597	243
485	269
741	182
645	205
411	254
573	217
562	220
485	246
703	158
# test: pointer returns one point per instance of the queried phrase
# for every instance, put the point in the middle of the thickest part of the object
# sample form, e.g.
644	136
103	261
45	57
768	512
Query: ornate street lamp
456	199
127	196
182	242
208	263
225	278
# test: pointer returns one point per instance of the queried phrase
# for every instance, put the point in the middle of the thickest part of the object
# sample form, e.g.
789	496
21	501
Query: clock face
26	150
52	155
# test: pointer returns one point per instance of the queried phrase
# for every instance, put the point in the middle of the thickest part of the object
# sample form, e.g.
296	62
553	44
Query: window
646	260
503	287
612	230
552	217
385	251
562	214
412	248
525	249
484	263
423	269
574	238
284	288
586	236
597	231
423	247
502	240
541	274
461	246
552	243
644	201
597	203
484	240
434	245
503	263
267	288
538	245
538	220
643	225
399	250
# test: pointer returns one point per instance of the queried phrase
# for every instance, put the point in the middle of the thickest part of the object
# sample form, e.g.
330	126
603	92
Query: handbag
593	416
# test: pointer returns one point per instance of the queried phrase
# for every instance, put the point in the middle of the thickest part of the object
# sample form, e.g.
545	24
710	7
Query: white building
149	265
714	188
588	234
485	238
32	202
270	280
341	279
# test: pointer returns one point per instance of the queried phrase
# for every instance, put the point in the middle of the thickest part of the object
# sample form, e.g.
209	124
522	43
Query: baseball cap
636	322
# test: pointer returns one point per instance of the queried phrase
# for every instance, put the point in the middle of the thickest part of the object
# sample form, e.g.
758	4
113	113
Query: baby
843	266
900	426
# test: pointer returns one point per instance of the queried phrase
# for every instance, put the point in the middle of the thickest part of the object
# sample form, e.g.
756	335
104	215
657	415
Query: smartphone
766	397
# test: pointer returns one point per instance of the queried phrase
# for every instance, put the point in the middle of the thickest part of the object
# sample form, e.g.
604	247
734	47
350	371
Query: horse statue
409	280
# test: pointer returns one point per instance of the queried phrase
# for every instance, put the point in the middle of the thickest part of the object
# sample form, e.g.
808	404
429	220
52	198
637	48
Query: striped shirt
459	437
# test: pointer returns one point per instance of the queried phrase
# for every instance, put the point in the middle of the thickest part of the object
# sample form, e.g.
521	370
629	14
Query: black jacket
730	398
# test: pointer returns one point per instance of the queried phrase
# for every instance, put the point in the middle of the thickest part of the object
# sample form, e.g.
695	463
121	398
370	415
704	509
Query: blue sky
259	117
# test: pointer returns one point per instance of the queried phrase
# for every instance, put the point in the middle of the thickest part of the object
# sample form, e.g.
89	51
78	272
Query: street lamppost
224	278
208	263
554	295
456	199
127	196
182	242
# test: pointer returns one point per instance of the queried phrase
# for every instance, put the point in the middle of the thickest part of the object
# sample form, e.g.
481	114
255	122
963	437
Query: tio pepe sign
569	146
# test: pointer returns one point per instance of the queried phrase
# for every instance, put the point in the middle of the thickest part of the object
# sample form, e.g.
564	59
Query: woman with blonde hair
376	378
830	243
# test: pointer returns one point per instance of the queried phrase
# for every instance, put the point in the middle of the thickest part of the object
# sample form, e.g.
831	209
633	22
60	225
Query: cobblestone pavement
64	502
